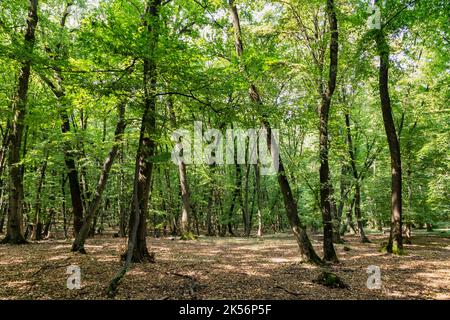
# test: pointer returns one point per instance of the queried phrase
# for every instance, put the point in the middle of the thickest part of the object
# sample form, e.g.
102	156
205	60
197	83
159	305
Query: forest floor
226	268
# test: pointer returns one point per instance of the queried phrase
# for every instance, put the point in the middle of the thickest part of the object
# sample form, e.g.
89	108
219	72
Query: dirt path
225	268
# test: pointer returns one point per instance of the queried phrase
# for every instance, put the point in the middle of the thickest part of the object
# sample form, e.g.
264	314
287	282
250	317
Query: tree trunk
184	197
184	185
146	148
46	231
395	243
209	214
122	209
358	214
357	178
344	189
14	229
236	195
63	204
3	151
258	200
74	184
307	253
37	230
78	244
324	172
245	211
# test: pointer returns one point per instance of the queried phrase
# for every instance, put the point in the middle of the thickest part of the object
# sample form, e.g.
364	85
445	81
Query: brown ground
225	268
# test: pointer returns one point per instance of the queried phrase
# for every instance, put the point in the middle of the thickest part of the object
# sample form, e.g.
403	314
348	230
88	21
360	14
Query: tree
146	149
325	187
307	252
78	244
19	107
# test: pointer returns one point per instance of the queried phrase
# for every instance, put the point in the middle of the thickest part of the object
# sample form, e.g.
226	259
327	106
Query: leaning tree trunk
307	253
395	243
14	231
78	244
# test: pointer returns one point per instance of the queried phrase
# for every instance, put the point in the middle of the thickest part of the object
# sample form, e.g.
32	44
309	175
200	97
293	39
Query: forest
224	149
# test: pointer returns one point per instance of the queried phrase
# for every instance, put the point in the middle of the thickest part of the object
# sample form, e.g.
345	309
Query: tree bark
395	237
307	253
14	233
78	244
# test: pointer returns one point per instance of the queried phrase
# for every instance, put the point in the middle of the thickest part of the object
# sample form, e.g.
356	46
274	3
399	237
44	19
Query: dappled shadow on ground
225	268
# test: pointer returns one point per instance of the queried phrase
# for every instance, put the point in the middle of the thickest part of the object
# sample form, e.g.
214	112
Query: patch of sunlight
227	267
21	285
107	259
137	273
94	247
62	247
12	261
280	260
257	274
442	296
56	258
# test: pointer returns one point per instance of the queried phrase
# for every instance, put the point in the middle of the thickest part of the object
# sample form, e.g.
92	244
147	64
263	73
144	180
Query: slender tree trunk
408	232
258	200
357	179
3	152
307	253
46	231
344	189
209	215
122	210
395	237
37	230
358	214
14	233
3	210
147	146
245	211
185	212
184	185
324	172
63	204
236	196
78	244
